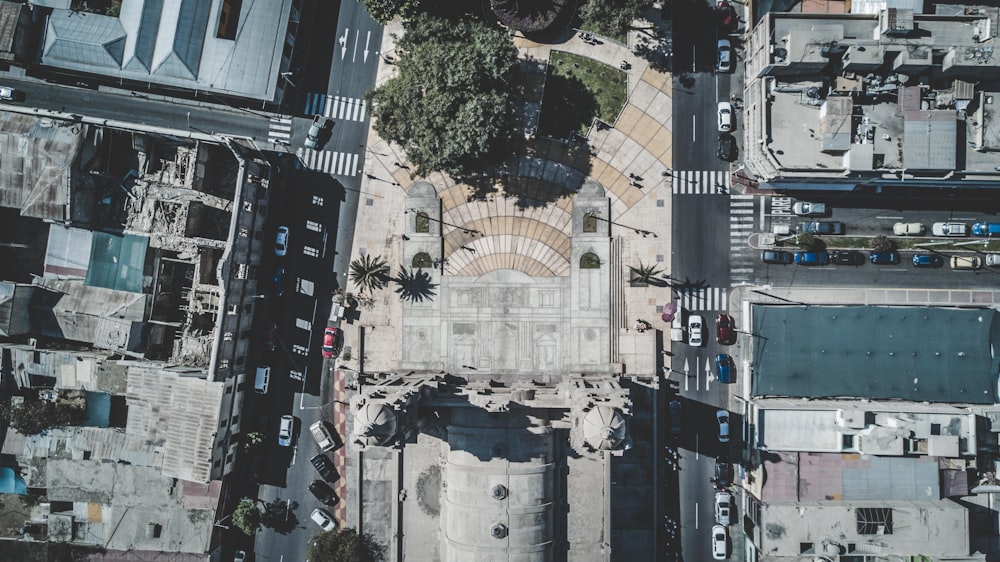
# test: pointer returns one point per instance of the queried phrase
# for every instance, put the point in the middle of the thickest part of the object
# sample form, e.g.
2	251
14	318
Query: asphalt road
316	198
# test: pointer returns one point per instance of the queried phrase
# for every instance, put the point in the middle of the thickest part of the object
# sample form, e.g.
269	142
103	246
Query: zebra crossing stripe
279	128
336	107
709	182
705	299
330	162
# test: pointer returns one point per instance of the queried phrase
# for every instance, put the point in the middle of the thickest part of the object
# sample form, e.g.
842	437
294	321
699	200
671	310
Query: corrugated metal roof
880	352
66	252
929	139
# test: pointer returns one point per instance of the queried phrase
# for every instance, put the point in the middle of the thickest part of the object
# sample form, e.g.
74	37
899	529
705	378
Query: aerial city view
502	280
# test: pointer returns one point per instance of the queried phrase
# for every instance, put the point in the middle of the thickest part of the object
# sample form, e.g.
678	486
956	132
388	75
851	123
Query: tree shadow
280	516
568	106
414	285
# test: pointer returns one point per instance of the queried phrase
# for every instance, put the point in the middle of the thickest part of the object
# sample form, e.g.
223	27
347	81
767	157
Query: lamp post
471	231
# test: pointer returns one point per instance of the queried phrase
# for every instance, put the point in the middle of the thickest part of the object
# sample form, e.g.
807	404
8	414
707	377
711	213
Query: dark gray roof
880	352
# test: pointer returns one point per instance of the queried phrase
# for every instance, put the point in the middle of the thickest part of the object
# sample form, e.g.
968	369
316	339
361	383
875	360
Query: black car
323	467
675	417
727	147
323	492
847	257
723	472
823	227
779	257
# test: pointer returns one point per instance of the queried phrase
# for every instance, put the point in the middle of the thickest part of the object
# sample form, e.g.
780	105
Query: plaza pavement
533	238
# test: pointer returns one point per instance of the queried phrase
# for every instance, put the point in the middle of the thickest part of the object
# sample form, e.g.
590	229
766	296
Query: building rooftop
191	44
870	428
878	352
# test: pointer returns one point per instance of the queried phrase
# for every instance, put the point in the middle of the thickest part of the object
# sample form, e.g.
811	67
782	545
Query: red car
725	329
727	16
329	341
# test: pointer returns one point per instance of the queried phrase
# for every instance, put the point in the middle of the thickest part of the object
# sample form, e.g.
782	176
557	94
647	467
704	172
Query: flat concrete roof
879	352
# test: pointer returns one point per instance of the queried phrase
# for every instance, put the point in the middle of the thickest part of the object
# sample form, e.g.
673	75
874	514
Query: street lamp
286	75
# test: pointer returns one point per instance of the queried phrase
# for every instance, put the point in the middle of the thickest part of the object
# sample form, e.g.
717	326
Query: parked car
323	519
986	229
323	467
908	229
725	329
966	262
807	209
727	147
847	257
677	326
823	227
724	368
330	341
725	116
992	260
723	472
240	556
696	330
722	417
321	491
723	508
281	241
675	416
279	281
285	429
719	537
7	93
949	229
927	260
727	16
812	258
884	258
779	257
724	56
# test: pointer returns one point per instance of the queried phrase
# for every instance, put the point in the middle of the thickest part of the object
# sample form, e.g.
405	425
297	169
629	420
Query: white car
724	56
949	229
285	429
725	114
6	93
992	260
908	229
807	209
696	330
323	519
723	507
239	556
722	417
281	241
719	536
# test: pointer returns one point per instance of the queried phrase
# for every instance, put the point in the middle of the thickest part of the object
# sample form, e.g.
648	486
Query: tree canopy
451	104
613	17
383	11
247	516
343	545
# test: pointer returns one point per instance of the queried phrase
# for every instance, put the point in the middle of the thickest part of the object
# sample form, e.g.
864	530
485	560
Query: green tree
34	416
343	545
613	17
247	516
383	11
252	440
369	273
451	105
806	241
882	243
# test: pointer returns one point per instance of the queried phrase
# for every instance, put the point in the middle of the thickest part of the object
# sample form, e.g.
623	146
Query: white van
262	381
322	436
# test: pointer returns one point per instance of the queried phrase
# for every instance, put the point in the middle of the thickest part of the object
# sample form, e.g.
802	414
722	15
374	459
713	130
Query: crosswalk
706	182
698	299
337	107
330	162
741	225
279	130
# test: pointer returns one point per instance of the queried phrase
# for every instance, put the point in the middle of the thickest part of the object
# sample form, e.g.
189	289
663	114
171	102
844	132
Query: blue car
986	229
725	370
884	258
279	281
927	260
812	258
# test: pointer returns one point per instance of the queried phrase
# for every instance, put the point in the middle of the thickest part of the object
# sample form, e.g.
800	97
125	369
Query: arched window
423	259
423	222
590	261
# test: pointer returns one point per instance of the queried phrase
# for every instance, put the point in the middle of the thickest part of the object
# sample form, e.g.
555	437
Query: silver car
719	537
696	330
285	429
723	508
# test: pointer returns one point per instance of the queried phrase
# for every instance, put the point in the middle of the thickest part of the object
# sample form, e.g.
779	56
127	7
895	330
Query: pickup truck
949	229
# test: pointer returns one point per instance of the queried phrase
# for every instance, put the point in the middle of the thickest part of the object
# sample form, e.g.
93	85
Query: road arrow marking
367	39
343	43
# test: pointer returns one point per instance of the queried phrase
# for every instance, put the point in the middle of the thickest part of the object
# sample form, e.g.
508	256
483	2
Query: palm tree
369	273
645	273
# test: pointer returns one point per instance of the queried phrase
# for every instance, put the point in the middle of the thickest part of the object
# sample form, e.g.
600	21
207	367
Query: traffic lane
356	51
903	275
